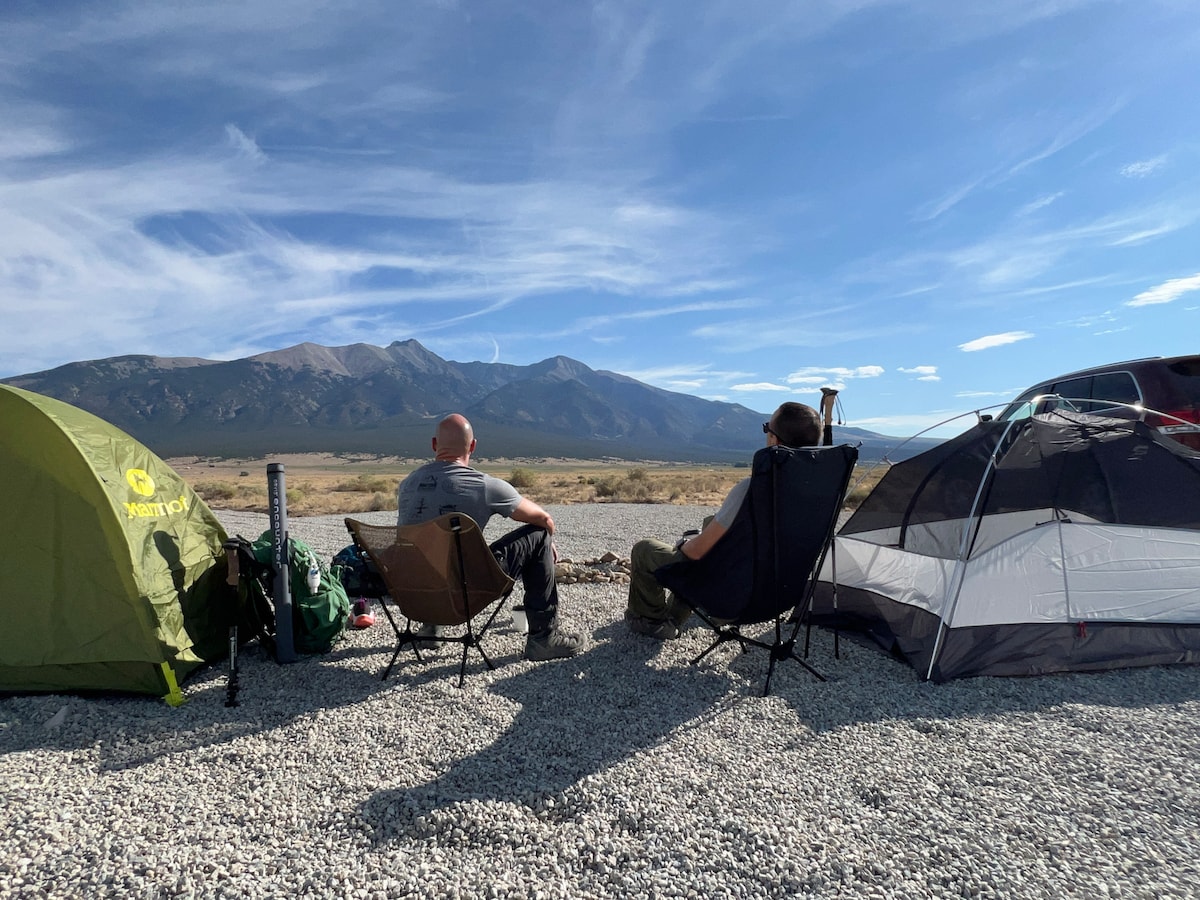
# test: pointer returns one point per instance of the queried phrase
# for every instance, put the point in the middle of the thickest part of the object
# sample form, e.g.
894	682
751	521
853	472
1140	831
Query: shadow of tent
571	724
886	688
273	696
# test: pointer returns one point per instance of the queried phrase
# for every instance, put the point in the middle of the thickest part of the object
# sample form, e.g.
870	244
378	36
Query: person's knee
641	557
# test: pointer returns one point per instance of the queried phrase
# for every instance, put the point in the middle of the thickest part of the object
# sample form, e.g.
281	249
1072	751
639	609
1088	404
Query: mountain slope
385	400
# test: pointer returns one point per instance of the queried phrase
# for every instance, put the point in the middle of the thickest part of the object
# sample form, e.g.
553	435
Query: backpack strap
253	581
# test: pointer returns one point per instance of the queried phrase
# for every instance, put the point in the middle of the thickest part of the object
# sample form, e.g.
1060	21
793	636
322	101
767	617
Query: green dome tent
113	572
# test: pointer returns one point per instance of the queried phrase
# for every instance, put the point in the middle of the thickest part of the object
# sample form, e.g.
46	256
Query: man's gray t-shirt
440	487
733	502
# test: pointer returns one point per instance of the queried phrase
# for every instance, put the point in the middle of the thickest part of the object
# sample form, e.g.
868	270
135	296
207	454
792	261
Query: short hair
797	425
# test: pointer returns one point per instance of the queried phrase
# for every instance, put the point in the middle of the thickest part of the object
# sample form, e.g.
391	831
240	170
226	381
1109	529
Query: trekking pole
828	400
231	579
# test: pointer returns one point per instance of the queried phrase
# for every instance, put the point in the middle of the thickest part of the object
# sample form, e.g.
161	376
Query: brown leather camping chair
441	572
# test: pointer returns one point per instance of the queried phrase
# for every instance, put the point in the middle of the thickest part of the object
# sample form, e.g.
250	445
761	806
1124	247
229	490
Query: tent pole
964	550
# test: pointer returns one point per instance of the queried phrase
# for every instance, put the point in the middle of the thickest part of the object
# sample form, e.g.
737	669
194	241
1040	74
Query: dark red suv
1165	391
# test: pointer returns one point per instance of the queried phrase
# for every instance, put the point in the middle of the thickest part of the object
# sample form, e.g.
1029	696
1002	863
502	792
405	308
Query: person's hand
687	536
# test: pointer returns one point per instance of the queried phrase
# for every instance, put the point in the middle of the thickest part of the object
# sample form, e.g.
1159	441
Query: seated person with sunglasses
651	611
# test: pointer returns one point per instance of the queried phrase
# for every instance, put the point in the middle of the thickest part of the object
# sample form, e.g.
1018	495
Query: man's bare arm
703	542
530	513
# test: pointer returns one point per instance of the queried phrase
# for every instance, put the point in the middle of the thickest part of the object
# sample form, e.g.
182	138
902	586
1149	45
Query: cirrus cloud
1167	291
819	375
995	340
760	386
1144	167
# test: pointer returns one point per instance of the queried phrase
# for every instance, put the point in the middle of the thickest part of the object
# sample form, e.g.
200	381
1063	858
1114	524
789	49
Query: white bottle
314	575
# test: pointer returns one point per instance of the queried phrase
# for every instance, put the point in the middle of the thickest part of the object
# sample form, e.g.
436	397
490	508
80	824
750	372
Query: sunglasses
767	430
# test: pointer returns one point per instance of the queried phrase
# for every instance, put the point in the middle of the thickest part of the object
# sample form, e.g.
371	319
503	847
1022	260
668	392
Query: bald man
449	484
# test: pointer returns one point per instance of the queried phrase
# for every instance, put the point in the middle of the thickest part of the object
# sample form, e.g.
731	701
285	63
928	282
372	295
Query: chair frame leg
779	649
472	638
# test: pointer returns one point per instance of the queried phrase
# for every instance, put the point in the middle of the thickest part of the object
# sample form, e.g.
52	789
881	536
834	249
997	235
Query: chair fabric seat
765	566
440	572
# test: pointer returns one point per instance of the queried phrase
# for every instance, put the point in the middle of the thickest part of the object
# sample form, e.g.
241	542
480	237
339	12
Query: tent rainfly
113	573
1064	542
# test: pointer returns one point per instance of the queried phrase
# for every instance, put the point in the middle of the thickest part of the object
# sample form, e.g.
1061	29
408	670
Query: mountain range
386	400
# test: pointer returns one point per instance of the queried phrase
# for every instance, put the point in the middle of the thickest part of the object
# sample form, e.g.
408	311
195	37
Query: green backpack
318	617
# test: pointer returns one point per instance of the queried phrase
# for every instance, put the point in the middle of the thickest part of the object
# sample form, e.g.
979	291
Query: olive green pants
648	598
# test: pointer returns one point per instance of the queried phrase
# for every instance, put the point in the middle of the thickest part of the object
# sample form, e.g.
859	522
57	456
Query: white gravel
622	773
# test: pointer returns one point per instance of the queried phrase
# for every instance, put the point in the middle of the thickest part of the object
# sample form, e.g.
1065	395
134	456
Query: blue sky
932	204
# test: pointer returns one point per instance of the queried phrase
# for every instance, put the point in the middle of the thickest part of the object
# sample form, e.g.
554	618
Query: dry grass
322	484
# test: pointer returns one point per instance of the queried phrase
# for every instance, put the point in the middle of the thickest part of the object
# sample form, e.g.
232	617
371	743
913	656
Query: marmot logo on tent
140	481
149	510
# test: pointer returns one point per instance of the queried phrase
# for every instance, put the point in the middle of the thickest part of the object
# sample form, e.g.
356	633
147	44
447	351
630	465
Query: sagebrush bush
522	477
211	491
368	484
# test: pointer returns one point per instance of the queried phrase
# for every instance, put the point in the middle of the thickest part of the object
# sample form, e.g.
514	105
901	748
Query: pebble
623	772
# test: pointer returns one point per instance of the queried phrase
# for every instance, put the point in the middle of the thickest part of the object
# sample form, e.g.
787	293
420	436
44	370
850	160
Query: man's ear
471	449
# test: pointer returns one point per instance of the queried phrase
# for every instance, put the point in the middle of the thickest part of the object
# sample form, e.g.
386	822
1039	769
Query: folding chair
765	566
441	572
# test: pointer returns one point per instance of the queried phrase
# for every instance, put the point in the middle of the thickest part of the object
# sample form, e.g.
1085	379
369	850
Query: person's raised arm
530	513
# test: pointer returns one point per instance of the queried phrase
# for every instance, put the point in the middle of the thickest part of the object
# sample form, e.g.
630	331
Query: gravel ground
623	772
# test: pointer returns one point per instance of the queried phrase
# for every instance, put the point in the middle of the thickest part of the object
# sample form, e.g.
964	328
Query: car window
1117	386
1181	386
1072	392
1020	408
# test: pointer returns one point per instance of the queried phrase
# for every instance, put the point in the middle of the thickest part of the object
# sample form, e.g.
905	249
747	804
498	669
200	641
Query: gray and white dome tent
1062	542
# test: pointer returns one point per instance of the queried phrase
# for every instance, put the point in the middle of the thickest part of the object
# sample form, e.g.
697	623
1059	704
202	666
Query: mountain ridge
364	398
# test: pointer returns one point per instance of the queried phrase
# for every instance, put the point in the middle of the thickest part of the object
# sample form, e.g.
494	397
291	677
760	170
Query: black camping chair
765	566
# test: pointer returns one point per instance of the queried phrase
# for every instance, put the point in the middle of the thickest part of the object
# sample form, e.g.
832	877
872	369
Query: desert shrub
637	492
638	474
625	490
522	477
367	484
606	486
381	501
211	491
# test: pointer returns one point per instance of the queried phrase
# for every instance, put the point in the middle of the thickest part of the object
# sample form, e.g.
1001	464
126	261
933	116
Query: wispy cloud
243	144
761	386
923	373
820	375
1040	203
1145	167
1004	170
995	340
1166	292
983	395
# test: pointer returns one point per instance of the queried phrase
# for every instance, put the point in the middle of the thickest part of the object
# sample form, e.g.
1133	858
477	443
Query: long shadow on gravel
577	717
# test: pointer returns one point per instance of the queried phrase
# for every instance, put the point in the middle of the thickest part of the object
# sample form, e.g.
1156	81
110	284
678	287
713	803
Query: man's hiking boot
426	633
552	644
659	629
